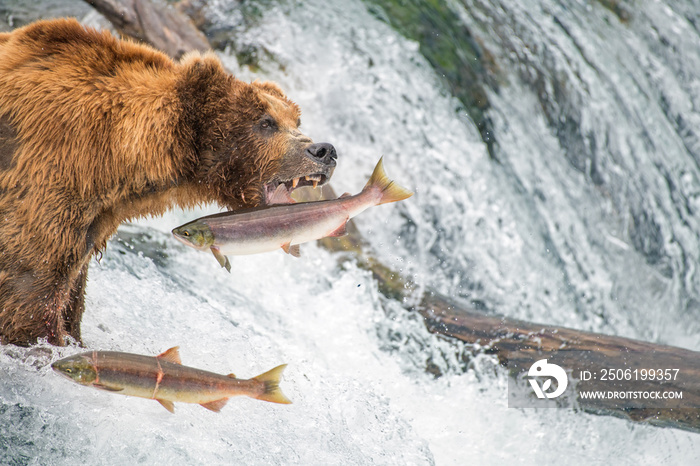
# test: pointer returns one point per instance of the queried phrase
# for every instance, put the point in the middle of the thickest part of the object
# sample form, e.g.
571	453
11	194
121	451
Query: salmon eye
185	233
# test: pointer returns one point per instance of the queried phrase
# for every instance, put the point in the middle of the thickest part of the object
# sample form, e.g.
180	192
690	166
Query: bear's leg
76	305
54	315
31	309
34	306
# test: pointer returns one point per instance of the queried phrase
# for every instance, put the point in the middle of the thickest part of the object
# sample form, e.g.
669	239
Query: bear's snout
322	152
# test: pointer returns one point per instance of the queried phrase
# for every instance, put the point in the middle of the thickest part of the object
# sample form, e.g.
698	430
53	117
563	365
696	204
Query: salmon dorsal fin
232	375
167	404
294	250
280	196
215	405
171	355
344	195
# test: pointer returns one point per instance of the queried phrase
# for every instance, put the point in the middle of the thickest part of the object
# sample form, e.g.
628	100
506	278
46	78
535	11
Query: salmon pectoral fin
107	388
171	355
223	260
341	230
167	404
271	381
294	250
215	405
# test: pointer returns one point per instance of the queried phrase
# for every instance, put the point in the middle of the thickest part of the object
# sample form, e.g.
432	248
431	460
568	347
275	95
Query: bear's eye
267	123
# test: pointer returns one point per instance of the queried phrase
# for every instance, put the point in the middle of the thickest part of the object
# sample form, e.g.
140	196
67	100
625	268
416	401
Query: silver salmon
285	226
163	378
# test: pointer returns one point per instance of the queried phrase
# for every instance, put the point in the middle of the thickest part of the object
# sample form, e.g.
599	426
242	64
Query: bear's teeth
295	182
313	178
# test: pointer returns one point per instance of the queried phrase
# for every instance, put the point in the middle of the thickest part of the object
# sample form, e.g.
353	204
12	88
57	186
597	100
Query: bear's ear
203	68
197	59
270	88
204	88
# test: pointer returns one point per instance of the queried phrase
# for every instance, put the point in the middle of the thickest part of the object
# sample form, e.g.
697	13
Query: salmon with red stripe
163	378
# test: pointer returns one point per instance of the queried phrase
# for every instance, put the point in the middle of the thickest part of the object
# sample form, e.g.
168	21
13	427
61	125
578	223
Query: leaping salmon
163	378
285	226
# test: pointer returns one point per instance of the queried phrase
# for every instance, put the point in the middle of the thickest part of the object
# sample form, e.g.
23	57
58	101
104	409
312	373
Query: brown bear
95	131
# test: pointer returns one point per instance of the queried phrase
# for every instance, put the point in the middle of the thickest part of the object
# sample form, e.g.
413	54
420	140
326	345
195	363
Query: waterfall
552	147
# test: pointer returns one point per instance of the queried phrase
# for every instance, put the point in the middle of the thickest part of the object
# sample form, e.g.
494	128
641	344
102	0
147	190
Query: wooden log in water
515	343
518	344
614	364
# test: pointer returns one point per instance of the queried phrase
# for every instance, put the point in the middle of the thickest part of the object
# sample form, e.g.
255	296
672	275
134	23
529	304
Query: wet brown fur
95	131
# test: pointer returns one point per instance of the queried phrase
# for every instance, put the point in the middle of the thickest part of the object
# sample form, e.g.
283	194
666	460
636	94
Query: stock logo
542	369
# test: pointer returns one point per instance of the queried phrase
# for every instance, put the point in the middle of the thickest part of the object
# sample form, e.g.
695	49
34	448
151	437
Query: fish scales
149	377
285	226
293	223
165	379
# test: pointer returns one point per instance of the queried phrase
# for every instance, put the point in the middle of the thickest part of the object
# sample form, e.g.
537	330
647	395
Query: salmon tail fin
391	191
272	392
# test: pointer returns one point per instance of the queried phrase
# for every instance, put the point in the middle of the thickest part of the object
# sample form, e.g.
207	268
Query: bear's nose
322	153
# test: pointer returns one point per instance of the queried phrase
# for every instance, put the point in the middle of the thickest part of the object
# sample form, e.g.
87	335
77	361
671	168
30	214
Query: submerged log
613	364
516	344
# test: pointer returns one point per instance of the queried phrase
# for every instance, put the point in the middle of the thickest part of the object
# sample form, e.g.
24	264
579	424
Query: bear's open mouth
279	192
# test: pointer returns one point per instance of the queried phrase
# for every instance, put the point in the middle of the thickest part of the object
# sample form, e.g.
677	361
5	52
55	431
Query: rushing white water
594	234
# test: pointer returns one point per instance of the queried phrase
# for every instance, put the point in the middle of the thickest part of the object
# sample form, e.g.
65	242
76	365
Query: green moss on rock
466	67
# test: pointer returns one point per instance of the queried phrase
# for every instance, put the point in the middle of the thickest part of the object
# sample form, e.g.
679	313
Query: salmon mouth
280	191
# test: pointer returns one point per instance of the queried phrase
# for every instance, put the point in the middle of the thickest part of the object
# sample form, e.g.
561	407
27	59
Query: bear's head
247	141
